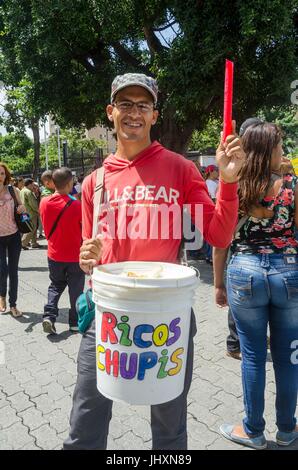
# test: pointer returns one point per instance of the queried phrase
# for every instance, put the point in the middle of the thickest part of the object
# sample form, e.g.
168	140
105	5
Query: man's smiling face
133	124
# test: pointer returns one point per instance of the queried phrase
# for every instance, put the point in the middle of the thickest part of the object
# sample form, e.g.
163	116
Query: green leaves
286	117
208	138
13	151
68	51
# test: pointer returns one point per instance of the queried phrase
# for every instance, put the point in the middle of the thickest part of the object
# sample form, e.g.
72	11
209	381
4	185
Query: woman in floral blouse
262	286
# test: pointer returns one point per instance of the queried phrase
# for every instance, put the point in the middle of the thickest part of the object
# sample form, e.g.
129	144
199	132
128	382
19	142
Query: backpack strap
59	217
98	198
12	193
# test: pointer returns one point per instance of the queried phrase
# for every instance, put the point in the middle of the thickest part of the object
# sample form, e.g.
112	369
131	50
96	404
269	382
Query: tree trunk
172	135
36	142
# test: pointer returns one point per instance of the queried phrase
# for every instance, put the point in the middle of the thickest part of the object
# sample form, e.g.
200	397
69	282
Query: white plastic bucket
142	330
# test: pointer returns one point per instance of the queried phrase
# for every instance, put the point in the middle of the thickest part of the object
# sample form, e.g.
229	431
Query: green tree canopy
286	118
76	143
71	49
14	148
208	138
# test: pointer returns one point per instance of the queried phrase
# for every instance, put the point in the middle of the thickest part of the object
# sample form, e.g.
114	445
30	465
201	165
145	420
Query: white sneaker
75	329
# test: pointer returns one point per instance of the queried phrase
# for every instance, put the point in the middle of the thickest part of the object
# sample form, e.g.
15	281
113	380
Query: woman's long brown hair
7	173
258	141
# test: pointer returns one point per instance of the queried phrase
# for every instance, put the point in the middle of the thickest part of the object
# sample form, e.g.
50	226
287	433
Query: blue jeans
208	251
61	276
263	289
10	249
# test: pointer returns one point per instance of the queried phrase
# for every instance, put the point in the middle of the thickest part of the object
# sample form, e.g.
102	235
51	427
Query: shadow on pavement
61	336
273	446
29	317
36	318
269	357
206	271
35	268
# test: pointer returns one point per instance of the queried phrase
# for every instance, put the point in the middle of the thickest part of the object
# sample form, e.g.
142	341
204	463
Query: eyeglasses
127	106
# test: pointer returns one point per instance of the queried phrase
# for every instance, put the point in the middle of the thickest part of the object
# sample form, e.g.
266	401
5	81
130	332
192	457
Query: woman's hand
286	166
90	254
21	209
221	299
230	157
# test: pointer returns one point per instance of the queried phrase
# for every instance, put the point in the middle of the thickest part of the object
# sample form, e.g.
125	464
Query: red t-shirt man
64	244
63	249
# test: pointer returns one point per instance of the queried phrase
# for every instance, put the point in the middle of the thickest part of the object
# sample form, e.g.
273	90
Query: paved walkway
39	373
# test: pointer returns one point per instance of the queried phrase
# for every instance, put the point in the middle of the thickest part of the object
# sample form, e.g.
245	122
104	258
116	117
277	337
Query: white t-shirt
78	188
212	188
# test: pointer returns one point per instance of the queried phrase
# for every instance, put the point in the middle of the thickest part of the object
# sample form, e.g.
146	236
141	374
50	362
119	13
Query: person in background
219	264
262	286
63	249
74	192
37	194
30	202
78	185
211	174
19	183
10	243
48	183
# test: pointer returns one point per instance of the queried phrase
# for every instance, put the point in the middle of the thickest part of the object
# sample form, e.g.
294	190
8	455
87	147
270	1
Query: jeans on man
10	246
92	412
62	275
263	289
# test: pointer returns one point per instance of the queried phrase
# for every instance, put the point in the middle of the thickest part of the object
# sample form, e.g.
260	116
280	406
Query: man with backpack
143	174
61	216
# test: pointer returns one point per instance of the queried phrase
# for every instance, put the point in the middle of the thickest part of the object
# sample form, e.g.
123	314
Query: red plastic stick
228	99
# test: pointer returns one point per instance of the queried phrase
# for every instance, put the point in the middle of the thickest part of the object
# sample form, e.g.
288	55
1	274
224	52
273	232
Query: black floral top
273	235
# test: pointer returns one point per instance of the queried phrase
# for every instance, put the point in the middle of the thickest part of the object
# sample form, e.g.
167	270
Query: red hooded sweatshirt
134	191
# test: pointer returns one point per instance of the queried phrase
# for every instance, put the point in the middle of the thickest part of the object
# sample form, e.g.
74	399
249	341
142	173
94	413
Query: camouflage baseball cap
134	79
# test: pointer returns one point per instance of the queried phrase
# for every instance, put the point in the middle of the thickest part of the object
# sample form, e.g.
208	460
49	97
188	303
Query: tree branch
211	103
85	63
168	25
127	57
153	42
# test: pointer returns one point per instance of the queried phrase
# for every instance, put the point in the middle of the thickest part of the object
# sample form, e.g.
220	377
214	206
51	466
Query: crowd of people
248	187
29	196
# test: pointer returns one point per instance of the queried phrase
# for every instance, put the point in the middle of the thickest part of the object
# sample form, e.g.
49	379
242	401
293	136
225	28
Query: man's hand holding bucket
90	254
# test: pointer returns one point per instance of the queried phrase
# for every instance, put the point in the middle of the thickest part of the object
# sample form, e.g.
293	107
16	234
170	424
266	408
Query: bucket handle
196	271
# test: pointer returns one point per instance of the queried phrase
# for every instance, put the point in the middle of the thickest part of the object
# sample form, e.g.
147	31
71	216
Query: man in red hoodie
140	176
